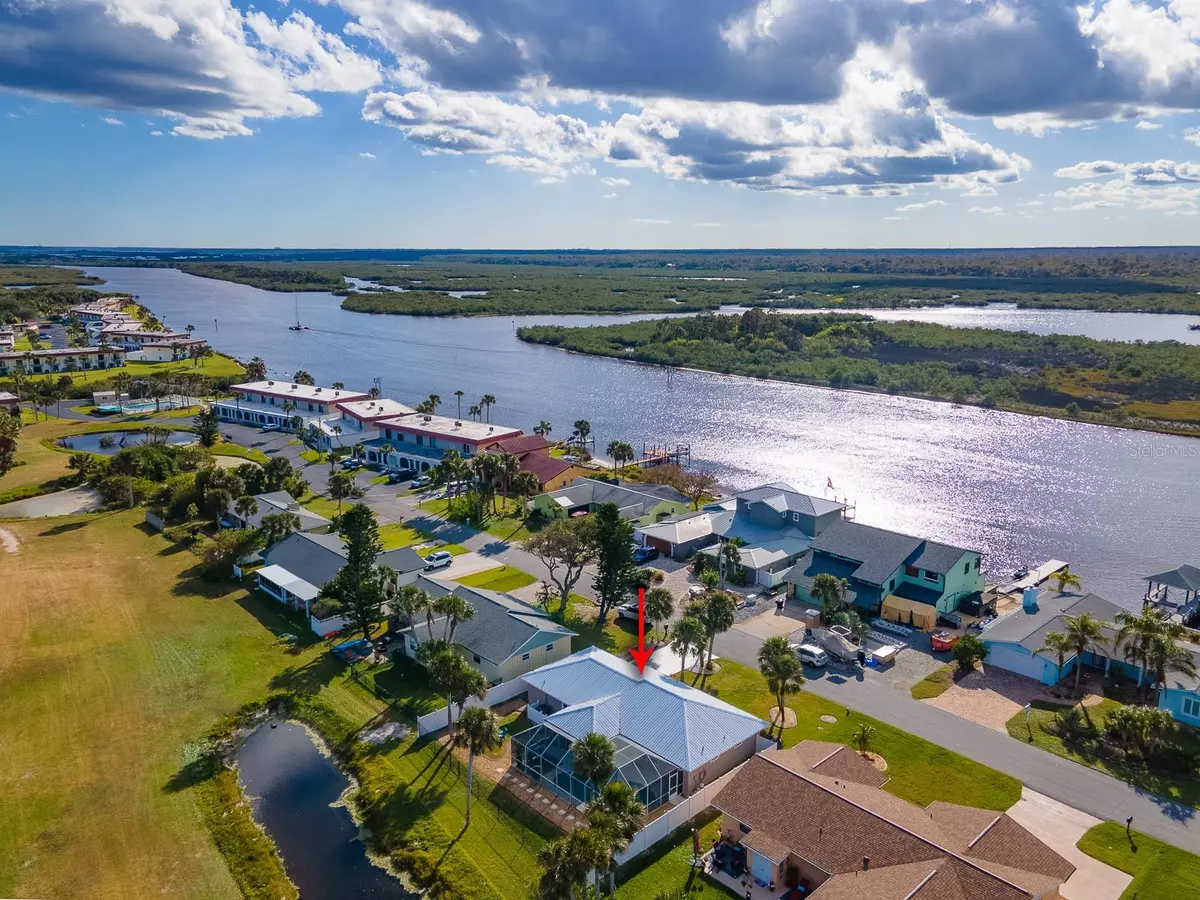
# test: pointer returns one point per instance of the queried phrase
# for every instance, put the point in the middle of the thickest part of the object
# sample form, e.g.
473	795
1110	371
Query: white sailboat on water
297	326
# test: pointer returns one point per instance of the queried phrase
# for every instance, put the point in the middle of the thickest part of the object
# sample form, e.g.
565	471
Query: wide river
1117	504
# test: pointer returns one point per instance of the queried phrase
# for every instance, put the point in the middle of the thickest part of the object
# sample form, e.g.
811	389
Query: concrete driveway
1061	827
466	564
62	503
993	696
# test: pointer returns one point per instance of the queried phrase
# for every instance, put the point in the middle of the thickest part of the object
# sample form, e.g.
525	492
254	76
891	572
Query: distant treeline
1050	374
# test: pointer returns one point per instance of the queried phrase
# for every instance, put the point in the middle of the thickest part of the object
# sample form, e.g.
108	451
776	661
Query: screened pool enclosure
543	753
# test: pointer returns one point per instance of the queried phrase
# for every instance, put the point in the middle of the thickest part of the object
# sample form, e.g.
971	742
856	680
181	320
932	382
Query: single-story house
1013	641
879	564
1180	695
670	738
639	502
276	502
506	638
814	816
296	568
10	403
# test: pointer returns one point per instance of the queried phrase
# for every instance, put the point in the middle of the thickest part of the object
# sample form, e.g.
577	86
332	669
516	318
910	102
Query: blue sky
600	123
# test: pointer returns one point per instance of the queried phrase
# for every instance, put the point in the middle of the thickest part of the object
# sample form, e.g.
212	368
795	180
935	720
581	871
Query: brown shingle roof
890	883
544	467
525	443
765	845
833	822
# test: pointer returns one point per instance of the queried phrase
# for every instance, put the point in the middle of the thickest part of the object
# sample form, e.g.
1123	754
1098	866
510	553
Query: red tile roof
525	443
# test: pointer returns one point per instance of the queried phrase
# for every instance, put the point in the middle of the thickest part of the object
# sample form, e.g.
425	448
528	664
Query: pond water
292	786
1117	504
94	442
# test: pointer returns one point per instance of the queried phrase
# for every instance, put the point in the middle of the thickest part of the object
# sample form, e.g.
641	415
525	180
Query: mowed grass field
114	659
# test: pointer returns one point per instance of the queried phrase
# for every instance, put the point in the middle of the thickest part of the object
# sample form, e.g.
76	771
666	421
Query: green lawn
509	525
397	535
667	866
116	659
216	366
225	448
1179	786
615	637
502	578
921	772
934	684
1160	871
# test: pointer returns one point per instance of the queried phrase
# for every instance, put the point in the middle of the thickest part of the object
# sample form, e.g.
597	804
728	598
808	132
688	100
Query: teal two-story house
878	565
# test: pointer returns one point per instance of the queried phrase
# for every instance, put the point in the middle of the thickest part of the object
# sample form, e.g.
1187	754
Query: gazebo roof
1185	578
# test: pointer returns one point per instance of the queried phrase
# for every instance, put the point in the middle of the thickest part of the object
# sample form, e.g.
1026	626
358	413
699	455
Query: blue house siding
1013	657
1183	705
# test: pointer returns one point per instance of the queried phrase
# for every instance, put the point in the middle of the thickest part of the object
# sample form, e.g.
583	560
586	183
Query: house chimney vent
866	863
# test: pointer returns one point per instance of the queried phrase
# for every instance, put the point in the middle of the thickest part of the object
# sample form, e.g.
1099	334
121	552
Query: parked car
628	611
272	428
395	477
439	559
421	481
695	590
811	655
644	555
352	463
954	620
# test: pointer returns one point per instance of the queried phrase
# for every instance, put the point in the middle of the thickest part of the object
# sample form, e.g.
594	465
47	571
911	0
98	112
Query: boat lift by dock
661	454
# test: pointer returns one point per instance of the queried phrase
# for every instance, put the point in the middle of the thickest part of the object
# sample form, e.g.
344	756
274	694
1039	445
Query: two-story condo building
132	335
100	310
73	359
278	402
419	442
359	422
8	338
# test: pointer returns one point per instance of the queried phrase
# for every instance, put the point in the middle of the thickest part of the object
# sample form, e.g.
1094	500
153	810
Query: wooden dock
660	454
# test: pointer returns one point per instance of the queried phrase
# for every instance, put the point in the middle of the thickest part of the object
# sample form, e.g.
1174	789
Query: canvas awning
909	612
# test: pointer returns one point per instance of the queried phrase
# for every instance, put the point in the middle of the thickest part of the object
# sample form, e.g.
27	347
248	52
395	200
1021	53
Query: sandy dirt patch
9	541
789	717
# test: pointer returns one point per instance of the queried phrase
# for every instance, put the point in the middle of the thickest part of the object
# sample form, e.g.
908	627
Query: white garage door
1017	661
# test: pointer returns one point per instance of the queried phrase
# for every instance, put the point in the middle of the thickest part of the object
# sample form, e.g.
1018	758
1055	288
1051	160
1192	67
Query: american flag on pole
829	484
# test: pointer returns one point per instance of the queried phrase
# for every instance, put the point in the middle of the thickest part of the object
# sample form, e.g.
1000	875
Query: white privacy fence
436	720
678	815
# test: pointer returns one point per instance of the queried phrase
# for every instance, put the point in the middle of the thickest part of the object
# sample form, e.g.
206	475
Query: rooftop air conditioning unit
458	424
317	391
270	382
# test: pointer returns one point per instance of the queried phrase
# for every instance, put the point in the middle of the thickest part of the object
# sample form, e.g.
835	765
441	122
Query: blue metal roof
681	724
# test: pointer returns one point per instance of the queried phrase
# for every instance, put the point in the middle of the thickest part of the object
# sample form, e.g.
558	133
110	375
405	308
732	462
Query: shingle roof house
276	502
506	637
670	737
296	568
648	502
876	563
815	814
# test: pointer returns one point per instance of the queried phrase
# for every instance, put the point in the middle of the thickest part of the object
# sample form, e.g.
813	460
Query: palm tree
567	862
454	609
337	433
1165	655
1136	634
467	682
508	467
524	486
475	412
478	731
288	406
595	759
718	612
863	736
341	487
304	378
830	592
1065	579
1060	645
688	636
730	558
660	606
583	431
487	402
358	449
338	385
411	602
542	428
458	395
256	369
615	817
1084	632
385	452
780	666
245	507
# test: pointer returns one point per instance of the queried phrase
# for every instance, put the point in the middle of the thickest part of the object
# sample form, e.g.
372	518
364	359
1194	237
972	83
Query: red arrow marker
641	655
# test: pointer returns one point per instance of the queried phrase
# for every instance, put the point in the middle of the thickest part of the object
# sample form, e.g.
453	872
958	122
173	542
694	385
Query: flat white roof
6	397
281	577
376	409
66	351
298	391
455	429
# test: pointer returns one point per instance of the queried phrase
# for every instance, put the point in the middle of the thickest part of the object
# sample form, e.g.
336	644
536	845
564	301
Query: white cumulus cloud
111	120
1162	185
909	207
